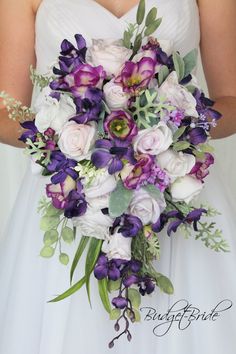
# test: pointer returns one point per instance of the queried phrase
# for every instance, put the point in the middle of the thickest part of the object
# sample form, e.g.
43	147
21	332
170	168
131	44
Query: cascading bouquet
123	130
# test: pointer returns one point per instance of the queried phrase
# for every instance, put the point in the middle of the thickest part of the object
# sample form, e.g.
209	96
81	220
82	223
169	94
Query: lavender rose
76	140
153	140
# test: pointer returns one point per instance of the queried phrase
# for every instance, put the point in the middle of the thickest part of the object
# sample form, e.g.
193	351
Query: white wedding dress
30	325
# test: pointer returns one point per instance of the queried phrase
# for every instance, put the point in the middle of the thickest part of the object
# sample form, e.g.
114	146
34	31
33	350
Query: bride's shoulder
35	4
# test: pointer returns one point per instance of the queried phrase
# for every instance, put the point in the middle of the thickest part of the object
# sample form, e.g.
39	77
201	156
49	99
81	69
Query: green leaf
103	292
153	191
179	132
70	291
179	65
136	314
137	43
82	245
67	234
115	314
163	74
47	252
181	145
165	284
127	39
140	12
113	285
135	297
91	259
206	148
64	258
51	211
50	237
190	61
152	27
49	222
151	16
191	88
119	200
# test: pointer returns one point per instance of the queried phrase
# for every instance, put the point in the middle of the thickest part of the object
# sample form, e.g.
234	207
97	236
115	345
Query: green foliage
152	190
134	297
152	27
67	234
181	145
163	74
119	200
115	314
179	65
190	61
64	258
47	252
140	12
151	16
50	237
77	286
154	246
16	110
113	285
211	237
82	245
179	132
103	292
40	80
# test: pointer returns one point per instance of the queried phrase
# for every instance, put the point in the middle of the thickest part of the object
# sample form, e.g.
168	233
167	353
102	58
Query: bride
30	34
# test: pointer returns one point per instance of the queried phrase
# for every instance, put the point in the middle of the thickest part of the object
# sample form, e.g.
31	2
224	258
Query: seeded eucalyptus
133	35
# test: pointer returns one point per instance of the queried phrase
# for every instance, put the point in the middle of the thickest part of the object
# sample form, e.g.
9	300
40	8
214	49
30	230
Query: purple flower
204	105
59	192
83	77
129	225
120	302
200	169
197	136
146	286
120	125
111	154
136	76
105	268
30	133
89	107
76	204
176	117
140	172
135	265
63	166
130	280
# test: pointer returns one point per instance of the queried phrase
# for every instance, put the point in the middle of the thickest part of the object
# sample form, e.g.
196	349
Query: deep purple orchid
111	154
109	268
31	131
63	166
136	76
129	225
76	204
146	286
200	169
120	125
89	107
204	106
60	191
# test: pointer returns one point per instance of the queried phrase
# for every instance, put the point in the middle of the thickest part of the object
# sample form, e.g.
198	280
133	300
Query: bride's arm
16	56
218	48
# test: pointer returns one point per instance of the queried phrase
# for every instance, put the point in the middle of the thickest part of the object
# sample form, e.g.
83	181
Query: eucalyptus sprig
134	34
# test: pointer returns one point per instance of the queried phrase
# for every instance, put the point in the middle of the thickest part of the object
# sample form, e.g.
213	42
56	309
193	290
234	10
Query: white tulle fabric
30	325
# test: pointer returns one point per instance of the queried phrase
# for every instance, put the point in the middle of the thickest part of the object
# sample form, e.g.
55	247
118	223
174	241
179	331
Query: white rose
185	188
176	164
76	140
93	223
146	207
117	246
178	95
115	97
109	53
153	140
51	113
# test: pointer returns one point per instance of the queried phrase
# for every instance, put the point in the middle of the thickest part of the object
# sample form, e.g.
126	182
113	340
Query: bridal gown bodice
30	325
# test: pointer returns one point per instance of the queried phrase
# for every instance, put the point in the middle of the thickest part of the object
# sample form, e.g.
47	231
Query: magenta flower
136	76
140	173
200	169
59	192
120	125
83	77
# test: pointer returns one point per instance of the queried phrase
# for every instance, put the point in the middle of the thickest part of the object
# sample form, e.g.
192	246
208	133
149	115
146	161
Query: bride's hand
218	49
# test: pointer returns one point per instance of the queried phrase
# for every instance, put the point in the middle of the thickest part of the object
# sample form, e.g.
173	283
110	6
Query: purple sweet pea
120	125
63	166
146	286
197	136
111	269
120	302
131	279
89	107
140	173
200	169
76	204
136	76
59	192
111	154
31	131
129	225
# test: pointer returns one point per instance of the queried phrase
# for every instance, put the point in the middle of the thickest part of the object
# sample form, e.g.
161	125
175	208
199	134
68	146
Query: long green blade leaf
70	291
82	245
103	292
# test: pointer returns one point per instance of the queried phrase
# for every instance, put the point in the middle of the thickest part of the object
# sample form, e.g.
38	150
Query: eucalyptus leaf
103	292
137	43
181	145
190	61
119	200
191	88
152	27
51	211
67	234
163	74
179	65
64	258
136	314
82	245
165	284
151	16
140	12
47	252
115	314
113	285
135	297
179	132
127	39
153	191
49	222
70	291
50	237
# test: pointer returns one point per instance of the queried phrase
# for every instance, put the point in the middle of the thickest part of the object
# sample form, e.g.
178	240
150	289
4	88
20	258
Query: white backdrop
13	165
